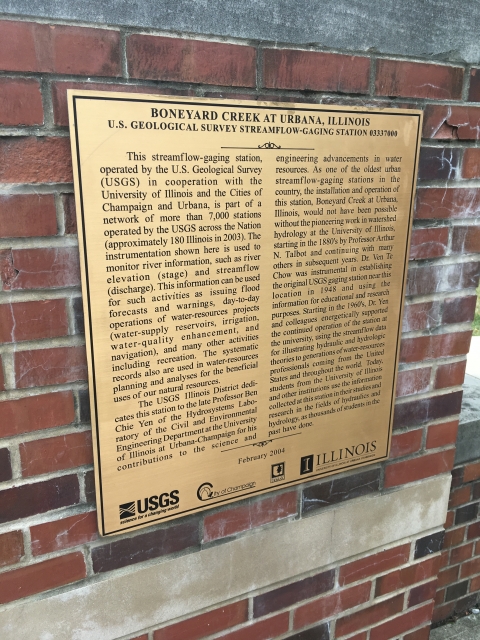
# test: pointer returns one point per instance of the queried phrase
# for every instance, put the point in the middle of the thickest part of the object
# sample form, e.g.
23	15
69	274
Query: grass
476	320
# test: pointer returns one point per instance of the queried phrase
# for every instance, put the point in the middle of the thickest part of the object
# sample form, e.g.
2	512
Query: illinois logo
127	510
205	491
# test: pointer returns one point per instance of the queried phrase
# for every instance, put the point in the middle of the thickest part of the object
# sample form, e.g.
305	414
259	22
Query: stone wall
354	556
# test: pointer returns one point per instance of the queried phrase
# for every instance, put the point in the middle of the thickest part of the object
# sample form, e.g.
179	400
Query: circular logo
204	491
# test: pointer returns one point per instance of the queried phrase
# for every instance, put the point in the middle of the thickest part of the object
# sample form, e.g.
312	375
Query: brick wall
48	534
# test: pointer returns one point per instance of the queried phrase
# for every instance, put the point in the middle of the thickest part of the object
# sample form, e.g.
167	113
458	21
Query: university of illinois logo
205	491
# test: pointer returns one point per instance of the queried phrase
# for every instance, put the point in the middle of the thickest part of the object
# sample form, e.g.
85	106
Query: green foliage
476	320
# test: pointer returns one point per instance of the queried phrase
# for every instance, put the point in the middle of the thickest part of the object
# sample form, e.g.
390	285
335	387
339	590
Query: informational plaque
243	271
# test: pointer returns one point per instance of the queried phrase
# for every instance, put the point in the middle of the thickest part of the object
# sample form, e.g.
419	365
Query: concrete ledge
122	604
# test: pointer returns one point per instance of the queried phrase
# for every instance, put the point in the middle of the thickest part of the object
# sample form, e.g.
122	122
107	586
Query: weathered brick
145	546
337	490
369	616
231	521
292	593
429	243
20	102
472	472
78	316
450	375
430	347
402	578
90	487
11	548
33	320
42	159
440	203
420	316
457	476
413	381
466	514
41	576
264	630
442	435
438	163
473	531
27	215
466	240
447	576
69	213
443	612
422	593
332	605
30	499
159	58
398	473
35	413
315	71
451	122
55	454
63	534
459	309
476	491
406	443
405	622
475	584
456	591
28	46
40	268
43	367
419	634
460	554
474	93
438	279
471	163
419	411
418	80
439	597
373	564
206	623
5	465
450	517
318	632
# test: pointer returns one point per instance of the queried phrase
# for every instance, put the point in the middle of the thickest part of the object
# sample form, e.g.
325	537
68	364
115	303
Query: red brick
413	381
474	94
40	268
477	548
454	537
423	315
471	163
473	531
269	628
440	203
37	412
63	534
374	564
443	612
42	576
231	521
451	122
69	212
439	346
444	559
43	367
459	496
422	593
402	578
31	499
332	605
466	240
5	465
23	216
475	584
447	576
20	102
419	634
450	375
441	435
460	554
470	568
440	597
397	626
442	278
28	46
359	636
55	454
406	443
472	472
429	243
36	160
370	616
450	517
418	80
417	412
418	468
33	320
11	548
459	309
159	58
457	476
315	71
439	163
206	623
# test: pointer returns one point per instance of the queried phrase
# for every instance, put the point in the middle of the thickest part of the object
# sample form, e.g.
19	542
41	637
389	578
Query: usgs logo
153	503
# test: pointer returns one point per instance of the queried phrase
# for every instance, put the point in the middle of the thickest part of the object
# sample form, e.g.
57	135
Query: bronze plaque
243	271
